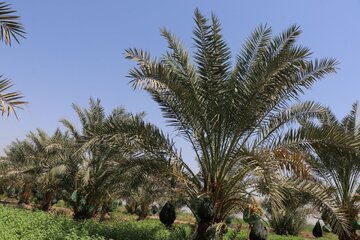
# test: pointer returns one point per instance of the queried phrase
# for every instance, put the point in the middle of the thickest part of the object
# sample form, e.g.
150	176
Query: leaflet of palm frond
293	161
10	27
9	101
327	228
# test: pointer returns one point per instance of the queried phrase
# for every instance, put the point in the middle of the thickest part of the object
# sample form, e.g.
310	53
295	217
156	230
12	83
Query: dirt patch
176	220
307	235
60	211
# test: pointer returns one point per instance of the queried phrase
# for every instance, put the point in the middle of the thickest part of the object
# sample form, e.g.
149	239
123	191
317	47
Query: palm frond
9	101
10	27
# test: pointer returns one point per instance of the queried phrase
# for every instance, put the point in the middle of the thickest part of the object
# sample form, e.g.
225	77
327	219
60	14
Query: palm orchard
252	138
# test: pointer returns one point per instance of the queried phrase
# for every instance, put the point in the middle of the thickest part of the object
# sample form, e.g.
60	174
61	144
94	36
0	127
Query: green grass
24	224
181	217
244	235
34	225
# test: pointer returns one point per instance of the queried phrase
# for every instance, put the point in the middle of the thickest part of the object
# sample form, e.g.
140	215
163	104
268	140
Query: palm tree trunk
144	212
46	202
201	229
133	205
83	214
25	197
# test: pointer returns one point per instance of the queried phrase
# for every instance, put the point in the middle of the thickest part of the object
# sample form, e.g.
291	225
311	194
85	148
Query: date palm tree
11	168
49	165
339	167
36	164
10	29
236	117
96	171
145	190
142	150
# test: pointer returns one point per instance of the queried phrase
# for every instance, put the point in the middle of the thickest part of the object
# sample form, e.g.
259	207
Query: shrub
61	203
289	221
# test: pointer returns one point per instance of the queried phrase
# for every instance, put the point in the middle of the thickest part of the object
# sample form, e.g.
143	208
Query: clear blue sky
74	50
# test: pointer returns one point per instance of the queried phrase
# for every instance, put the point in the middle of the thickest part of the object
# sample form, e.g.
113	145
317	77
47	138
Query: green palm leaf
9	101
10	27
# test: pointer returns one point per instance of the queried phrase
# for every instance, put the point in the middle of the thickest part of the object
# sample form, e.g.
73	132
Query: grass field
16	223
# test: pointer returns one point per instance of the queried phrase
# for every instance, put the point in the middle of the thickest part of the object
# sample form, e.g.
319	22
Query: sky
75	50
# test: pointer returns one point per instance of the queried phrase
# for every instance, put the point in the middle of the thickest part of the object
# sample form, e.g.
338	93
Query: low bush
289	222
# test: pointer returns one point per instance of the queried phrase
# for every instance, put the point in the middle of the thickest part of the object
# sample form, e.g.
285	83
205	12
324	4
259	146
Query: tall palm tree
234	116
10	29
339	167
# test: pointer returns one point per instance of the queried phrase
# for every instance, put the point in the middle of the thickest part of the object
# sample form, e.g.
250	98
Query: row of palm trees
77	167
250	134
